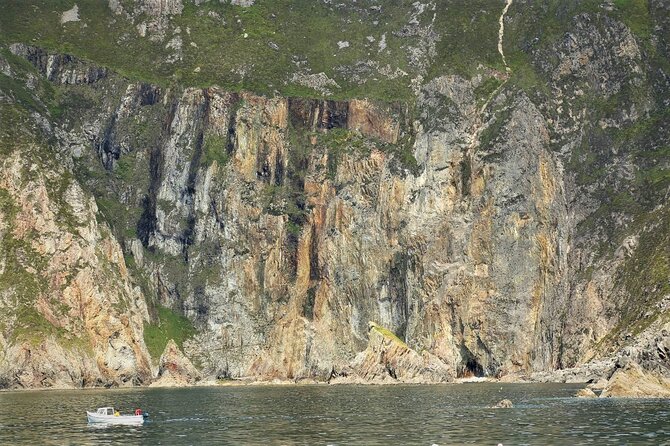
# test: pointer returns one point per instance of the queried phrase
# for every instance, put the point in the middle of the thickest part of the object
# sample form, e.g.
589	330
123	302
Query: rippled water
337	415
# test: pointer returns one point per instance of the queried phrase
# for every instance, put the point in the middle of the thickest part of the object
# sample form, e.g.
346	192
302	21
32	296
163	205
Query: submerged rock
586	393
503	404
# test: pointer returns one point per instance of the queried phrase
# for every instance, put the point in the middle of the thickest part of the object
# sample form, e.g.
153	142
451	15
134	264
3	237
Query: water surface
543	414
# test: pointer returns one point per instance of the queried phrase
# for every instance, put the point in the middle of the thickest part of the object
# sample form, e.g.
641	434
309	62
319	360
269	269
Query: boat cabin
105	411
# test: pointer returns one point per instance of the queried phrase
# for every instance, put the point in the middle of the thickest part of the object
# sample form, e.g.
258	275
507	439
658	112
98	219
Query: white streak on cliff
501	32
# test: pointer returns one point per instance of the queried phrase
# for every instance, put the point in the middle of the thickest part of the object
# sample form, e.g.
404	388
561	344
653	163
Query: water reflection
112	426
337	415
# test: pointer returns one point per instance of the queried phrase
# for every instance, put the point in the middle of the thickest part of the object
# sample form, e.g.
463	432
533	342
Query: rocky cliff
70	312
504	212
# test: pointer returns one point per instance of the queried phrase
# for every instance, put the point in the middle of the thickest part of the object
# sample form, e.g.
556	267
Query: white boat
110	416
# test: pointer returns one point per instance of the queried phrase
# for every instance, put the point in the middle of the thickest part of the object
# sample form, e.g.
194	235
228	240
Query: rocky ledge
638	371
388	360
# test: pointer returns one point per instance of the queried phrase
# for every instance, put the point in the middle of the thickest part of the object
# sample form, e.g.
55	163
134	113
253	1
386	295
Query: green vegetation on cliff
168	325
367	49
386	333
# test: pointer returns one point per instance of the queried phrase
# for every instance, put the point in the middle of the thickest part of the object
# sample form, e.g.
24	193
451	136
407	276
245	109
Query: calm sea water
337	415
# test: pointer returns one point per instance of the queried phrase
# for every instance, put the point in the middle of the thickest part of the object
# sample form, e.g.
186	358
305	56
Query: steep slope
70	315
504	212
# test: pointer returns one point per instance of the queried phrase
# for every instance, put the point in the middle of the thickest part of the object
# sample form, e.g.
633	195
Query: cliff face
509	220
69	312
303	225
69	309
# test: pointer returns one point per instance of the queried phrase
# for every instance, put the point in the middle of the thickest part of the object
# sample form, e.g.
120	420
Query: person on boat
117	414
138	411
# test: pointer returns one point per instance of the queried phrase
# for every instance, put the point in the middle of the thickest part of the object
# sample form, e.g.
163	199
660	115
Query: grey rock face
643	376
485	230
363	251
60	69
160	8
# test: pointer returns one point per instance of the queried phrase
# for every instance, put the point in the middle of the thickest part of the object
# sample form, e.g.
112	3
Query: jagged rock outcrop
642	370
388	359
633	382
588	373
58	68
175	369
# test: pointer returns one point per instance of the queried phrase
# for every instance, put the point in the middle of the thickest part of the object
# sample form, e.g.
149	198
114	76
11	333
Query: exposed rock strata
58	68
633	382
387	359
642	370
70	314
175	369
484	228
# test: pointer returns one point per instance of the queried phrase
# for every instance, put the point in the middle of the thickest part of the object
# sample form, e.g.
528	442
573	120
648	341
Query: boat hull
111	419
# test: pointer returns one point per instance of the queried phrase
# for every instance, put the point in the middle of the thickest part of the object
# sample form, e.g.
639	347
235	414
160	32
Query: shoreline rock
175	369
632	381
586	393
388	359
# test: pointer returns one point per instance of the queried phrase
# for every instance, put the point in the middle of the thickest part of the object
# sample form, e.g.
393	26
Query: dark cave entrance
469	366
472	368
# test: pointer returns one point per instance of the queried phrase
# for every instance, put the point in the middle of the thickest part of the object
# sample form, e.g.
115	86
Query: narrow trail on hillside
501	35
501	32
480	126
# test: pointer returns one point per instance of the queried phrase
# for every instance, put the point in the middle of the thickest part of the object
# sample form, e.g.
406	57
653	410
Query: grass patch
31	326
251	48
491	134
122	219
469	37
484	90
18	91
168	325
258	48
339	142
215	150
388	334
21	258
635	14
